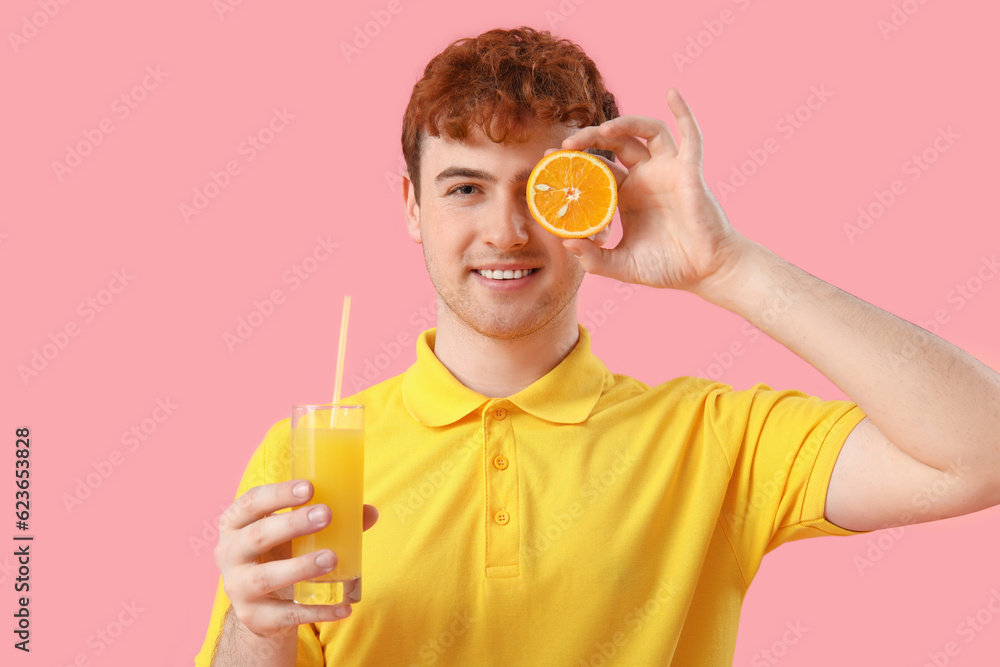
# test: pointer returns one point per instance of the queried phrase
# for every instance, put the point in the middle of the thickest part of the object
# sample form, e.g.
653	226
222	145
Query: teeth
504	275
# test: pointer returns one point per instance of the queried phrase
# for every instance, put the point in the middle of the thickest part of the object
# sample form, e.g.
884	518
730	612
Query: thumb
370	516
591	256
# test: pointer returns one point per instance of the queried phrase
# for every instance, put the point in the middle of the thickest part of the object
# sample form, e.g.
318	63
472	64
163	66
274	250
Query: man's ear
412	209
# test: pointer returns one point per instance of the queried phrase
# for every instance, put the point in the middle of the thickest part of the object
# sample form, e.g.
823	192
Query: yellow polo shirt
589	519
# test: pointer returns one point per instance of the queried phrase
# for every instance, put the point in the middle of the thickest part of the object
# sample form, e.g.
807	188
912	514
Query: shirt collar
567	394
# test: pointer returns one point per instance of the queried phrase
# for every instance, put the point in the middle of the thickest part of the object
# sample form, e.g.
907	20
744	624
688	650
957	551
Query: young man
538	509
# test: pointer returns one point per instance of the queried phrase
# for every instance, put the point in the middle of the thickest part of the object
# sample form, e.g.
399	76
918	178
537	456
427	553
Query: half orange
572	194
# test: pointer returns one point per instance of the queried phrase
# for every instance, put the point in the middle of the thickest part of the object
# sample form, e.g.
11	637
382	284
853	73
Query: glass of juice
328	449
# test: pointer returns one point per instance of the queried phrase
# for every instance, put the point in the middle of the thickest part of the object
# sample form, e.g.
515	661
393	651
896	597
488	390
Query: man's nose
506	225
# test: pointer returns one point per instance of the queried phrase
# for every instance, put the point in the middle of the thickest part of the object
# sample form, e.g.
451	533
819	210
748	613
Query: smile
505	275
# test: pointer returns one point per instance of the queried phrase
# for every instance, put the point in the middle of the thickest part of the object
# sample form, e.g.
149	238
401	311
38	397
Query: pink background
331	173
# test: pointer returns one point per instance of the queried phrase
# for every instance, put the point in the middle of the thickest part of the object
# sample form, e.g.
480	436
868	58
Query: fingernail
325	560
300	490
317	515
576	252
342	612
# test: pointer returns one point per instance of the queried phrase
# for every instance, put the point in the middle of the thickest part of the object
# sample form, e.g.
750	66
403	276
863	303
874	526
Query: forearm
929	398
239	647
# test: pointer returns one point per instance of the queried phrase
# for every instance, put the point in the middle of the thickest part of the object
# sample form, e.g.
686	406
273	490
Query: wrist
743	262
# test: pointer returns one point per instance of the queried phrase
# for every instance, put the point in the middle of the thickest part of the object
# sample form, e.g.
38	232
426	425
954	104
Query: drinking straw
340	356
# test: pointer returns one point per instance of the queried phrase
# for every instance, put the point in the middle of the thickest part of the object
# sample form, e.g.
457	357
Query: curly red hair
500	82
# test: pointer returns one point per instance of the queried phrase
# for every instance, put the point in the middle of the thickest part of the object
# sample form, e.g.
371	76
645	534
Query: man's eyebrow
469	172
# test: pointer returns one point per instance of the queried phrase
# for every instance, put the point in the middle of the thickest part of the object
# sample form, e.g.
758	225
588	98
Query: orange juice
333	460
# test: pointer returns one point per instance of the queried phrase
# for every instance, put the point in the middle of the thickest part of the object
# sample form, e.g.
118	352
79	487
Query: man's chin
505	332
503	329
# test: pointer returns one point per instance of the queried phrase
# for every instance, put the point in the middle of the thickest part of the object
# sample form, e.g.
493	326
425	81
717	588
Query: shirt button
502	517
501	462
499	414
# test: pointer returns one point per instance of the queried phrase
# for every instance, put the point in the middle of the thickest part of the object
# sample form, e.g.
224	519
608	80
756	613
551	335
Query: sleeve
782	447
268	464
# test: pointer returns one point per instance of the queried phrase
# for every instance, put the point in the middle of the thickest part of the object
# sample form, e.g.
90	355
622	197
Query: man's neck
497	367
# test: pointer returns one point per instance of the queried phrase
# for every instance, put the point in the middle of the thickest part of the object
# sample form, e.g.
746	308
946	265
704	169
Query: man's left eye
464	190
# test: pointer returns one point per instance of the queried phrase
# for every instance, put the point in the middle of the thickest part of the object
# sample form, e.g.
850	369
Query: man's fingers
629	150
691	139
262	500
595	259
654	131
271	531
271	616
370	516
622	135
266	578
267	533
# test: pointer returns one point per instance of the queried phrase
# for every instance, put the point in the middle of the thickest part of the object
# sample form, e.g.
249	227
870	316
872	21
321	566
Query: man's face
473	215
